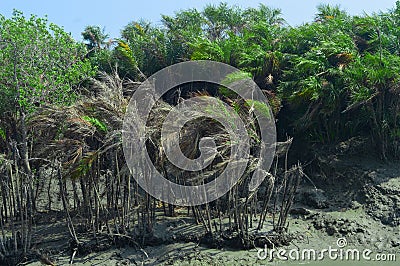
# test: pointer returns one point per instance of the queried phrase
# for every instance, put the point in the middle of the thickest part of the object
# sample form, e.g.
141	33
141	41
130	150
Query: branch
358	104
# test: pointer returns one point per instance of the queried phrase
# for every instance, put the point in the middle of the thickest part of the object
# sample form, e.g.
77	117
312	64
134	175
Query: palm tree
263	13
327	12
312	81
95	37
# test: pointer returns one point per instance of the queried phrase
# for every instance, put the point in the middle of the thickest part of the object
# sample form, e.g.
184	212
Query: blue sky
74	15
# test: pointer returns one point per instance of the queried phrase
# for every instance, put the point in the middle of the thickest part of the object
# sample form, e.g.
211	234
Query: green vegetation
40	63
95	122
2	134
335	78
62	105
41	66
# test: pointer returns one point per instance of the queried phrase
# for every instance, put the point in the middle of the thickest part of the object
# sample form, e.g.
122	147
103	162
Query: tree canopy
334	77
40	63
337	76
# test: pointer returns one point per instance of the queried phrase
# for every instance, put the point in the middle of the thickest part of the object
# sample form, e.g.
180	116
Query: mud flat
363	213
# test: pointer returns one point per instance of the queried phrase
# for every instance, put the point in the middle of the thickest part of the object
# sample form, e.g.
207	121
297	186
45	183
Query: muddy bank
364	211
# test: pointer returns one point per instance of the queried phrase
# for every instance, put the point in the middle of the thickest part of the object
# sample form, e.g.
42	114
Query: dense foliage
40	63
334	78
